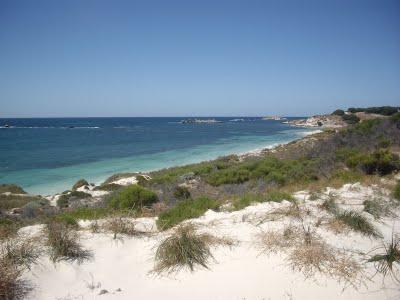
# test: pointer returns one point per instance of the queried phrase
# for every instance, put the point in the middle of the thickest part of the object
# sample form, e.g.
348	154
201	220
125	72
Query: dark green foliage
395	117
133	197
396	192
79	183
187	209
141	180
110	187
358	223
181	192
381	162
11	188
271	169
381	110
350	119
338	112
366	126
64	199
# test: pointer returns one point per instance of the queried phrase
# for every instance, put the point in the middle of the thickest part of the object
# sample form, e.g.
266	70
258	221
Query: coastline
60	179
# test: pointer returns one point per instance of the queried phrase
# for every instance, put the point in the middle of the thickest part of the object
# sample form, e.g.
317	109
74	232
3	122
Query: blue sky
181	58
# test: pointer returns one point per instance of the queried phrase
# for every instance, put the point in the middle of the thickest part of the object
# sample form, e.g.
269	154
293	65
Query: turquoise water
50	159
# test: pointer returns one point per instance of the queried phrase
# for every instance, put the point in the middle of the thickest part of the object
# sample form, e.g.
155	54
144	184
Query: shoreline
119	165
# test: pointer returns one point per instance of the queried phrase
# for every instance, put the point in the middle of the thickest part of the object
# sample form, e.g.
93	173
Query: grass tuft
64	243
358	223
185	248
385	262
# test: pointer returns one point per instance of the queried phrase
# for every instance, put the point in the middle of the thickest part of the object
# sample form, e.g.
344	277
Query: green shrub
11	188
338	112
132	197
366	126
184	210
395	117
16	201
181	192
350	119
381	162
79	183
109	187
63	200
396	192
228	176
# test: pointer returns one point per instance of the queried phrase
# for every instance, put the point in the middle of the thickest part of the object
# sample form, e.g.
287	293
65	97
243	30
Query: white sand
237	273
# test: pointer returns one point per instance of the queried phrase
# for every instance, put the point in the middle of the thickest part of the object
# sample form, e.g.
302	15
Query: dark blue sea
46	156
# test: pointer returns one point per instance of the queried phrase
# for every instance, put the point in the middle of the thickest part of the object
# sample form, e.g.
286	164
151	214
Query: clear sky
187	58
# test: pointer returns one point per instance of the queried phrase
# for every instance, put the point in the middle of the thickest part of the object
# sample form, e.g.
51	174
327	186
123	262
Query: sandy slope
123	268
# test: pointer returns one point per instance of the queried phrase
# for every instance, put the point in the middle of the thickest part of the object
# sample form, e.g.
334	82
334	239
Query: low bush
359	223
181	192
366	126
350	119
64	200
185	248
186	209
338	112
109	187
380	162
132	197
15	201
11	188
79	183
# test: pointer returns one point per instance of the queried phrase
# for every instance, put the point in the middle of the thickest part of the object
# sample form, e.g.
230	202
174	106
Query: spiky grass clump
64	244
386	262
396	191
358	223
377	208
330	205
185	248
16	256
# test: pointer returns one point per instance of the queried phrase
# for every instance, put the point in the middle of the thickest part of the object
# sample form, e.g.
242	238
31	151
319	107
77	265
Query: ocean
47	156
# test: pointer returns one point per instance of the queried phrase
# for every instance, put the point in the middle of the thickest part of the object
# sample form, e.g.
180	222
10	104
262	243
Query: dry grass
292	211
309	254
184	248
16	256
337	226
120	225
319	257
64	243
